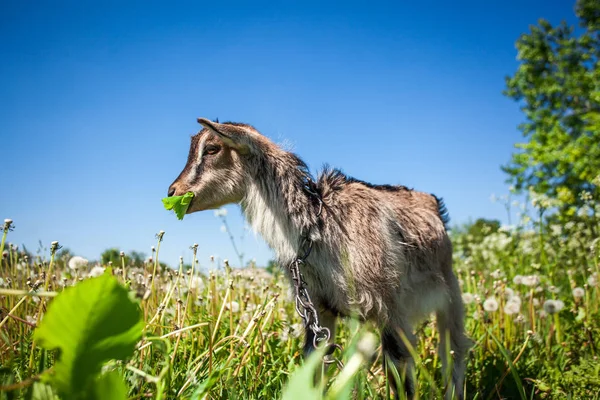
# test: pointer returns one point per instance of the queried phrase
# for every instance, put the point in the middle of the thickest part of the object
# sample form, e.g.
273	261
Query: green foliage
41	391
301	385
272	267
135	259
109	385
179	204
473	234
558	86
90	323
112	255
235	334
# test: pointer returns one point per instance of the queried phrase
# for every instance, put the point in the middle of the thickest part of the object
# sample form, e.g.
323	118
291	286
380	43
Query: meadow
530	292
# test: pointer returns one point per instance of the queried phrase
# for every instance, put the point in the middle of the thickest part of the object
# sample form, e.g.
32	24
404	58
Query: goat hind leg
454	344
396	351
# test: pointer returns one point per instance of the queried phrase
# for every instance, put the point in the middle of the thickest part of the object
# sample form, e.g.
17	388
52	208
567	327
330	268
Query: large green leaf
109	386
179	204
301	385
41	391
90	323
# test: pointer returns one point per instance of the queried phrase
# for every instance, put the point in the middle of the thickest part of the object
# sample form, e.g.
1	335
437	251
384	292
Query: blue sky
98	101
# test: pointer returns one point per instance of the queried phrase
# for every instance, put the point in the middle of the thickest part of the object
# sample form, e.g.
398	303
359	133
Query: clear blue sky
98	101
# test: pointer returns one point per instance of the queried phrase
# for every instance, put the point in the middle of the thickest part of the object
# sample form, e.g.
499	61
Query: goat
379	251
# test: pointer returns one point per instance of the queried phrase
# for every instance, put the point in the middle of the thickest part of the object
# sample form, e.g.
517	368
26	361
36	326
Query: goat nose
171	191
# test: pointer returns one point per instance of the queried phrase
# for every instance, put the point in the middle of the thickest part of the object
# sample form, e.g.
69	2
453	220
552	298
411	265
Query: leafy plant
179	204
90	324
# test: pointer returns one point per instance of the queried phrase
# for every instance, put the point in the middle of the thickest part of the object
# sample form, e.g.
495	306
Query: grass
531	296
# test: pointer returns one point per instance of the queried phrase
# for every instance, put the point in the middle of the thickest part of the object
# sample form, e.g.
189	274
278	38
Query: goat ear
233	136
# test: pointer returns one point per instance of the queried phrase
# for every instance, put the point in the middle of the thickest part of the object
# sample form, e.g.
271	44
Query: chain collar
304	305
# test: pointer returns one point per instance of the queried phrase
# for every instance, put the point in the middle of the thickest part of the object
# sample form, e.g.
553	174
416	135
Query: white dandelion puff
221	212
234	306
553	306
518	279
197	282
512	307
515	298
284	336
490	304
96	271
578	292
467	298
77	262
296	330
530	280
553	289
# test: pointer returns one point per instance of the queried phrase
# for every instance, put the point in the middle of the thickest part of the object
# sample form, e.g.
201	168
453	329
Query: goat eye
212	150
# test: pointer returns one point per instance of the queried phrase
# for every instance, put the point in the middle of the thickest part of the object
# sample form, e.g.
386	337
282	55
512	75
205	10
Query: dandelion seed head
297	330
221	212
490	304
520	319
518	279
592	280
578	292
512	307
553	306
367	345
234	306
467	298
96	271
77	262
530	280
284	335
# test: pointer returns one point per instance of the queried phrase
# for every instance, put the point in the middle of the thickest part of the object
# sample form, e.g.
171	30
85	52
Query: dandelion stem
12	310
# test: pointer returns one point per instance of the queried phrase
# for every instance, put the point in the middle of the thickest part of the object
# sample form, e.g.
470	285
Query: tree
111	255
558	85
137	258
471	234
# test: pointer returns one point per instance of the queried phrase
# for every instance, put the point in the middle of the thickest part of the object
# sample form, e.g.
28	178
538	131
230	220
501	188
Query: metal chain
304	305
